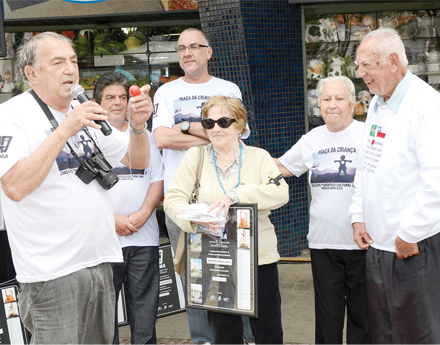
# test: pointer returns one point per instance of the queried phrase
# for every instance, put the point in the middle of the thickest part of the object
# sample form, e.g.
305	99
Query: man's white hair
388	41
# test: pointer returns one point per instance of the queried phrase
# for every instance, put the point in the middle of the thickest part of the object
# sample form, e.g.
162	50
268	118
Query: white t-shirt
64	225
331	159
178	101
128	196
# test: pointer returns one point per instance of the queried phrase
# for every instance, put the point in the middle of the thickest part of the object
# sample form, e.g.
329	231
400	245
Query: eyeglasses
223	122
193	47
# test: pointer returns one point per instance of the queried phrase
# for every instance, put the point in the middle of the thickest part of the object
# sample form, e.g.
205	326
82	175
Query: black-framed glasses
193	47
223	122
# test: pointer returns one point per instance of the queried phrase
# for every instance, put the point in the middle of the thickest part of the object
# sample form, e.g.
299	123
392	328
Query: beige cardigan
257	165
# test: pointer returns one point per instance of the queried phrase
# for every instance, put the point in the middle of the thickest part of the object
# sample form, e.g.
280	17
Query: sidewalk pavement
298	316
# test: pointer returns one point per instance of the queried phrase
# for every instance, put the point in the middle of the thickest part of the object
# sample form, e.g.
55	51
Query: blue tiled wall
257	45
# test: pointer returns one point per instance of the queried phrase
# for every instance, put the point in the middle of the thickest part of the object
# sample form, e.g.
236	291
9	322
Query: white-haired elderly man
395	210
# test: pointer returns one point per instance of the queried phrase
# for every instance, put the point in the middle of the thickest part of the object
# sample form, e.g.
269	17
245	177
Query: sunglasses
223	122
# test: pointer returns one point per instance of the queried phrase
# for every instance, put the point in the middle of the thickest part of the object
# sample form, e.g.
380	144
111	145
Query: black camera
97	167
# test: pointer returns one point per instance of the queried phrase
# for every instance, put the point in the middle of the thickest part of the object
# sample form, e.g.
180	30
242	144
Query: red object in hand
134	90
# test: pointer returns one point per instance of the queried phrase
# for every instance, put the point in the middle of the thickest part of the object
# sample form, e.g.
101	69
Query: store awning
165	18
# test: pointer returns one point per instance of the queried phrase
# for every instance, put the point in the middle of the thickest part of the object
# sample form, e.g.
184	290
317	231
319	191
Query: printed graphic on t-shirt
156	107
4	145
83	147
125	173
373	149
333	168
189	108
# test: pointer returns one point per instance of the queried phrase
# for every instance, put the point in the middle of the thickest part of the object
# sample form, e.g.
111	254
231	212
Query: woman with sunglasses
233	172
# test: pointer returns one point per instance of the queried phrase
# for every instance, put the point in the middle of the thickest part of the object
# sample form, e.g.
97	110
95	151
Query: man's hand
82	115
123	228
137	219
361	236
140	108
404	249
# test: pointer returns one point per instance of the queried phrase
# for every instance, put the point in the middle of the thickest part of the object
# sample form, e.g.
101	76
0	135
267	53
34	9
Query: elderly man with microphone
57	210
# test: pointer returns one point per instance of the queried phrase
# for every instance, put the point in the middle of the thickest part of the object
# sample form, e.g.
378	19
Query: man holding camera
134	203
61	230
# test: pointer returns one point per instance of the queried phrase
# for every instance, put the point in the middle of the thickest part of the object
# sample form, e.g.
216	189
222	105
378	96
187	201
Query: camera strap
54	124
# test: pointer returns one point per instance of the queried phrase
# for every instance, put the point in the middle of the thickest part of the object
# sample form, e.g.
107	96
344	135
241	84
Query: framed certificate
122	308
221	270
171	295
2	222
12	330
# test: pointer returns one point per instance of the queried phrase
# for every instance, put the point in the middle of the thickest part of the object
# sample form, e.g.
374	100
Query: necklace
216	169
226	165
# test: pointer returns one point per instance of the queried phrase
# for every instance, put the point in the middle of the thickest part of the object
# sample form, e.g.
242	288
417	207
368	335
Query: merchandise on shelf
140	81
88	83
336	66
8	82
331	41
177	5
102	46
351	70
362	103
134	39
358	25
312	98
315	69
80	46
10	45
171	78
323	30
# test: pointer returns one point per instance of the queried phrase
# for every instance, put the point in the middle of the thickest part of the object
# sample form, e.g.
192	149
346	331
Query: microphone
78	92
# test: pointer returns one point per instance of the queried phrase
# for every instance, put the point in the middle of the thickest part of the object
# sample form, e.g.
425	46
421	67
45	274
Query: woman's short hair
235	107
346	81
388	41
27	55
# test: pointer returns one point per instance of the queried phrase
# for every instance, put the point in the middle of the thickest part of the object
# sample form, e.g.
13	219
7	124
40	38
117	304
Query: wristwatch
184	127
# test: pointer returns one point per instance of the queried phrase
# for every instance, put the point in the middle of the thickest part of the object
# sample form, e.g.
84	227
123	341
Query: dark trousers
140	272
403	295
267	328
339	279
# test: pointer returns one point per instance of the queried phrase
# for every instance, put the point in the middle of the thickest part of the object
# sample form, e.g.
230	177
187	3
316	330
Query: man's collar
197	80
398	94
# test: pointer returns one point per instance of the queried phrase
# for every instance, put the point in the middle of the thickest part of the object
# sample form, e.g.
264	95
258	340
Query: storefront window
331	42
146	55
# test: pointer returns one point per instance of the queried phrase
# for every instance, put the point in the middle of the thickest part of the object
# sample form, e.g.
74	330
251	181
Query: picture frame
221	275
12	330
171	293
2	221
